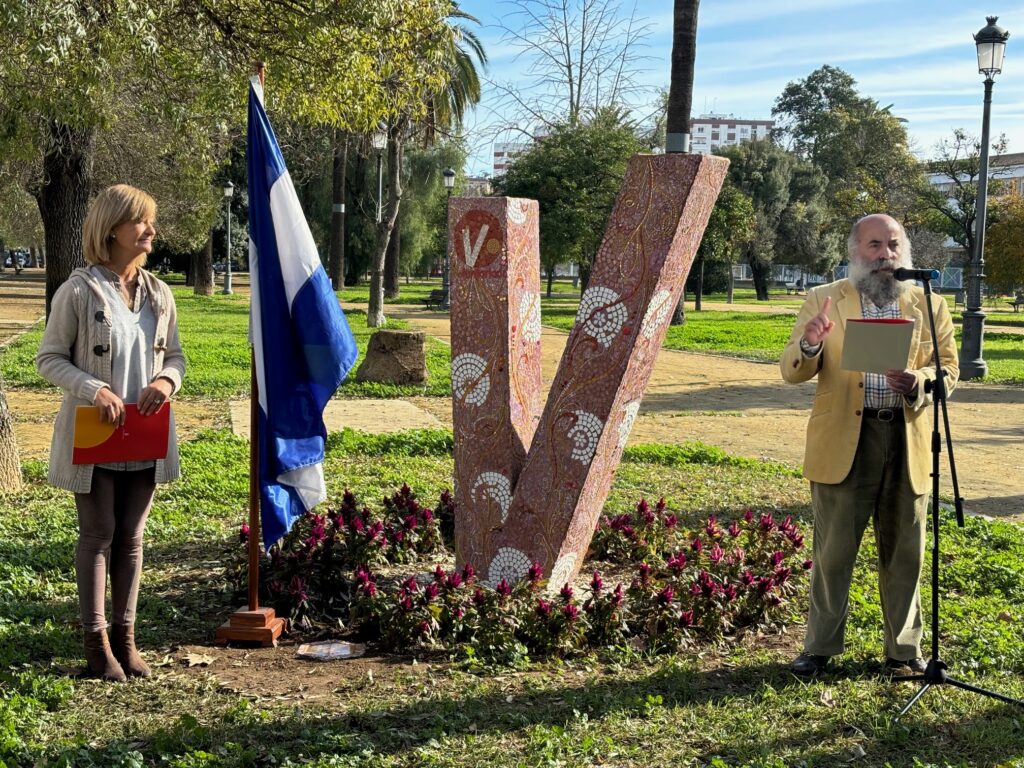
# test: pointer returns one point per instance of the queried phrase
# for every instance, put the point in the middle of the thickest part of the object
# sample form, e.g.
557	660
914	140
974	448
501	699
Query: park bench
794	287
436	299
1018	302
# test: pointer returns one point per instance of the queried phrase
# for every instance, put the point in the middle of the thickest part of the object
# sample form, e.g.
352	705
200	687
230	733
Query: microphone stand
935	672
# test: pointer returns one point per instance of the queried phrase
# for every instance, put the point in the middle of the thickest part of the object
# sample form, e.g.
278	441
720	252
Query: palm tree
445	111
444	114
680	96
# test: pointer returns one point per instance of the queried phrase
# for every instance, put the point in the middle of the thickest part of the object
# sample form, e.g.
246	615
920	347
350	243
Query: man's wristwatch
809	350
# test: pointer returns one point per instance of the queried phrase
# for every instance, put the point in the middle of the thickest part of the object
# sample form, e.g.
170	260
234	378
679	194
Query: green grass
731	706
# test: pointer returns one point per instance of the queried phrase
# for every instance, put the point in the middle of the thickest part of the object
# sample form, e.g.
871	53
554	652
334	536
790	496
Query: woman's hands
150	399
155	395
111	407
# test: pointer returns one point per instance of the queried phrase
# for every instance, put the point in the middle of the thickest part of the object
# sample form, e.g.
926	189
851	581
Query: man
868	444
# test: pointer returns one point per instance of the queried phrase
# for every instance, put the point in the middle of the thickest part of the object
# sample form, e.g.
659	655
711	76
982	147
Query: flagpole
254	456
253	624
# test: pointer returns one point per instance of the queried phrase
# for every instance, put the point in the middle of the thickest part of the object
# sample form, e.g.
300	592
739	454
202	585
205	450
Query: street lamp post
229	191
991	44
379	139
449	185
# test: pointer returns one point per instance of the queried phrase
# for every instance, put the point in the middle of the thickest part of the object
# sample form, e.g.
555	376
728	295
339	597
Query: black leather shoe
917	666
809	664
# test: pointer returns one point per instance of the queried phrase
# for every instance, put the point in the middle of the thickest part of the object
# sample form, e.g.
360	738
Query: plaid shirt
876	392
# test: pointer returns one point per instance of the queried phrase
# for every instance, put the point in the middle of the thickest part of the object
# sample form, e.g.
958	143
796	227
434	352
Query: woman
112	338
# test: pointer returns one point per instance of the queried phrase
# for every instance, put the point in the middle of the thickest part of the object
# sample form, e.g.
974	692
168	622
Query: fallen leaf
857	753
197	660
1005	616
826	698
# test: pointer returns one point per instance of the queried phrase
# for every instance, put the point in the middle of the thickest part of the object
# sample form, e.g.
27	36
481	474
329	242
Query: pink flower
671	521
431	591
410	585
570	612
535	573
697	545
797	540
734	529
666	596
596	583
566	593
424	628
764	585
479	597
618	596
766	522
406	603
747	578
777	558
427	515
440	575
711	527
730	592
243	532
297	589
782	576
645	574
686	619
807	564
748	515
676	562
468	573
716	553
503	588
543	608
454	581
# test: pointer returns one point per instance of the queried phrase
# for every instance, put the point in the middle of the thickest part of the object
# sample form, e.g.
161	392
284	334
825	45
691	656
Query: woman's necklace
129	289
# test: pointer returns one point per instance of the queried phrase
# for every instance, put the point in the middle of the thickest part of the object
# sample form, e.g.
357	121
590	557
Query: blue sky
917	55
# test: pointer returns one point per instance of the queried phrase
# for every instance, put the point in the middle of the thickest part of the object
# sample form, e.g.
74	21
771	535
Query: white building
1005	176
714	130
506	151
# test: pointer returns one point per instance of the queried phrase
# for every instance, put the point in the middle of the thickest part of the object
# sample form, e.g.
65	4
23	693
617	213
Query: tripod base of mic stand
935	674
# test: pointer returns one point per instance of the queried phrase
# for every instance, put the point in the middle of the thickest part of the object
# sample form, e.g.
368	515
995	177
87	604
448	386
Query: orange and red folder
140	438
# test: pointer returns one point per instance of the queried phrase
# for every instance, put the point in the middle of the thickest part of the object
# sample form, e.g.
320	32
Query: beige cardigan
75	356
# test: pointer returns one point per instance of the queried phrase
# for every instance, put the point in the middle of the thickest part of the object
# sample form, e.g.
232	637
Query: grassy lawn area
732	705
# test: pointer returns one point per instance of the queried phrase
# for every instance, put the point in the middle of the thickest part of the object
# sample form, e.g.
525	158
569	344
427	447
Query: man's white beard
880	288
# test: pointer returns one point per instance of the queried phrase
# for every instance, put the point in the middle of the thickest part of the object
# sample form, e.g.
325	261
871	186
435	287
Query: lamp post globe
449	185
229	191
379	140
990	42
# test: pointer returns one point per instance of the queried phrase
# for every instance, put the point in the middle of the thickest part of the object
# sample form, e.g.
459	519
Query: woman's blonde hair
113	207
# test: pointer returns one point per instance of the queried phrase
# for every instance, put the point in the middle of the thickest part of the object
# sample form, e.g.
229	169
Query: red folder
140	438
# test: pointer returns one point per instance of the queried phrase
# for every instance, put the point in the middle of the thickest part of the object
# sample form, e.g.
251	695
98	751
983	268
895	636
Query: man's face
879	244
880	250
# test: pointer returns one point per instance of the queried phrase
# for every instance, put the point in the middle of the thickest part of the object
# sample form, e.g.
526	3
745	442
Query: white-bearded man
868	444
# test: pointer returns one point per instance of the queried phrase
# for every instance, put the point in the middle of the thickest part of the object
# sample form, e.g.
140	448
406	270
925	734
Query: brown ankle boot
101	661
122	641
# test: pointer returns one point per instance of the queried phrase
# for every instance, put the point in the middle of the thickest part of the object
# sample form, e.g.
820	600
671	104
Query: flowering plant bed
351	566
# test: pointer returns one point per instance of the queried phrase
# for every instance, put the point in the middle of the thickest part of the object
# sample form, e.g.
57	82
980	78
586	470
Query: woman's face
132	239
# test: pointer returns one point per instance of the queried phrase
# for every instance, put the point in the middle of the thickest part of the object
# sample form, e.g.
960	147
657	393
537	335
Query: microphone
915	274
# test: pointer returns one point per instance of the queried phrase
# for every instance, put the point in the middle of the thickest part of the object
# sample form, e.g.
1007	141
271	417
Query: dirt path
740	406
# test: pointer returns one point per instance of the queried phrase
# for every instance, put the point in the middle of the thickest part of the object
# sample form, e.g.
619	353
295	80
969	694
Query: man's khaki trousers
877	489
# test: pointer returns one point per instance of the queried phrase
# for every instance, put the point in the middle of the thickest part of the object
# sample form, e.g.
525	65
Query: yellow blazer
834	427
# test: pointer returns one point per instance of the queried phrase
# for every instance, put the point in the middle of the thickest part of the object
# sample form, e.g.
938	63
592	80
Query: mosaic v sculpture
529	484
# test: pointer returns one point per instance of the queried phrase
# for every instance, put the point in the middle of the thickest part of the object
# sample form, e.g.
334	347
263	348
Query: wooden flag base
260	626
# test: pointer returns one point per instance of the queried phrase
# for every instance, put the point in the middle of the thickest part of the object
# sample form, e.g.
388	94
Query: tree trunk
584	277
551	280
679	313
3	255
680	92
63	201
761	274
10	461
699	293
202	265
392	261
375	310
336	259
732	287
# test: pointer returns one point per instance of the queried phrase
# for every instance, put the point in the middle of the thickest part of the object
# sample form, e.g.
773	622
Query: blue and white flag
301	341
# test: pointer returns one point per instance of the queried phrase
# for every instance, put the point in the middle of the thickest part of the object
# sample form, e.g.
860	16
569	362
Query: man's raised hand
819	327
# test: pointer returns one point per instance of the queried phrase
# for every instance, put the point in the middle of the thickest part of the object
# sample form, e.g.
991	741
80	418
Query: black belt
884	414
